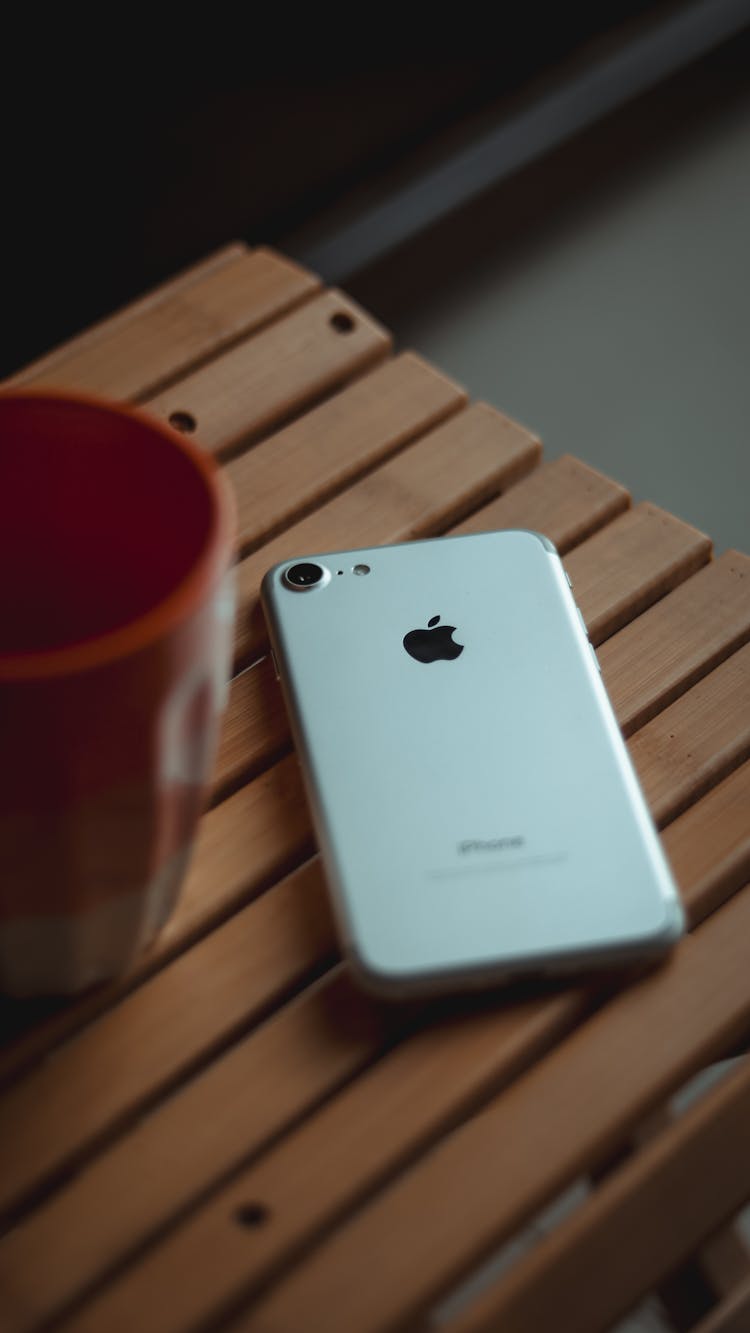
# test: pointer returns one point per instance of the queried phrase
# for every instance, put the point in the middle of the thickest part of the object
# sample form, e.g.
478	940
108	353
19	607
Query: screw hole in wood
183	421
252	1215
341	322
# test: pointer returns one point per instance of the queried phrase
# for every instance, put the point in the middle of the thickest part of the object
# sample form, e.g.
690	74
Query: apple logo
433	644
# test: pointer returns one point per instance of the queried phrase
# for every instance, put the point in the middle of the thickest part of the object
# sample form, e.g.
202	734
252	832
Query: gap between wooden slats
664	551
221	859
733	799
297	468
597	1083
502	451
176	327
425	489
220	865
220	259
696	741
341	1153
645	551
266	379
670	655
636	1228
680	643
476	1052
221	876
506	449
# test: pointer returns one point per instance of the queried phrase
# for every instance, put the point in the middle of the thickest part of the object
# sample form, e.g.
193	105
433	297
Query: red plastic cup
116	613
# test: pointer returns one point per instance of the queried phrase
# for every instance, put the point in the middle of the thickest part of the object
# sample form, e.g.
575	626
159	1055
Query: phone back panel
477	813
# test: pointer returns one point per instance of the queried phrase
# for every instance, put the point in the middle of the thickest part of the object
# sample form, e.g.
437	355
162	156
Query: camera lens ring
304	575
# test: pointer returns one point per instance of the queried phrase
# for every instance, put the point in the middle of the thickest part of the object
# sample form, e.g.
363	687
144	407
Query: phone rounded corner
374	981
542	537
670	929
675	923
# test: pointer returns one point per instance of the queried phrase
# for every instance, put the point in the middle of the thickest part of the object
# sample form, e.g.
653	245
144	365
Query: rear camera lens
304	575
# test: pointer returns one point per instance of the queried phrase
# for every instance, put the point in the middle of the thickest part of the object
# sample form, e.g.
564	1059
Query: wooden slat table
231	1136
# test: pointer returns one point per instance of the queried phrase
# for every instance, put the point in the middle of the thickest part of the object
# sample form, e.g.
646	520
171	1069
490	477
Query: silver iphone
474	802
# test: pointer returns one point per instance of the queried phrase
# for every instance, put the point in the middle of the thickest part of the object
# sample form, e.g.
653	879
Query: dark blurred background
551	202
120	168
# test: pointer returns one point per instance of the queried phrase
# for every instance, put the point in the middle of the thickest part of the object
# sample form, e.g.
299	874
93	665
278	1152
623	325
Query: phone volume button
275	665
596	659
584	626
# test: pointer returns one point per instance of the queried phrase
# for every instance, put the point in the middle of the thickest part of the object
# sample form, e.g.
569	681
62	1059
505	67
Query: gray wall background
604	300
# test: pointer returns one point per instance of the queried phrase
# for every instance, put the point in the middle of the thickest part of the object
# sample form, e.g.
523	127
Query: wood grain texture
494	1046
186	321
417	1089
222	258
245	843
217	879
255	726
696	741
236	1073
427	487
252	1093
653	660
709	845
269	377
503	1164
564	497
638	1226
302	465
66	1102
644	541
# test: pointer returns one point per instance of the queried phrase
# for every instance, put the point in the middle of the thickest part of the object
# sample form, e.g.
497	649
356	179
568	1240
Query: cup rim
214	558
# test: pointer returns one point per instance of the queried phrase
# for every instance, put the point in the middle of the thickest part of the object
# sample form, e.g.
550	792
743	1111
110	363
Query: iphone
474	802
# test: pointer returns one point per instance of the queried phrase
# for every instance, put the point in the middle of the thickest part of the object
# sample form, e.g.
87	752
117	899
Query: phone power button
596	659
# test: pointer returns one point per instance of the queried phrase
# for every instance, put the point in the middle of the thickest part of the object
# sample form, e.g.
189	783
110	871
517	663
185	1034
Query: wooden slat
223	258
513	1037
267	378
670	655
304	1184
271	947
190	1008
731	1316
718	745
566	496
709	845
246	842
498	1168
696	741
637	1227
426	487
411	1081
644	541
168	332
262	1083
155	1039
255	726
302	465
